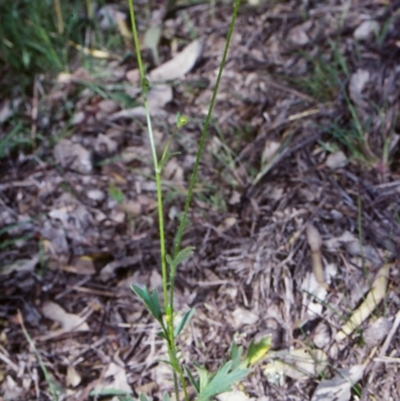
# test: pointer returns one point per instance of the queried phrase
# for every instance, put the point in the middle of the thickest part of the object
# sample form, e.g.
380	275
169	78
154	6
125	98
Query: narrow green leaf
156	305
165	151
222	381
183	254
235	356
142	293
194	382
185	320
162	335
169	261
151	301
145	86
166	158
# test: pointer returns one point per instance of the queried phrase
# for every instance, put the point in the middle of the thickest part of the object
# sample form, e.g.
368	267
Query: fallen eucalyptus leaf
374	297
68	321
180	65
339	387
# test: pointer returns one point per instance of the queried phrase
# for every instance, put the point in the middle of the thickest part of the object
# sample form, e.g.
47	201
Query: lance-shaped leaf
151	301
193	381
236	355
185	320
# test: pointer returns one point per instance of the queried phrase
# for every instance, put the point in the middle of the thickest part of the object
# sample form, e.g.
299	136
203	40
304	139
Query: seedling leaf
151	301
185	320
194	382
222	381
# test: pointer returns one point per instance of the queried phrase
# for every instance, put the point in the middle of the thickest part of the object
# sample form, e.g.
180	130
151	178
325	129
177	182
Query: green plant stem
144	84
169	331
204	132
169	313
201	144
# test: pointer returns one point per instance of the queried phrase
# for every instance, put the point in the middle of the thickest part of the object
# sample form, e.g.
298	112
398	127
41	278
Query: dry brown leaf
270	149
108	270
180	65
227	224
104	145
173	171
358	80
115	378
353	246
68	321
322	335
21	265
312	304
132	153
108	106
73	156
158	97
366	29
374	297
235	198
96	195
298	34
298	364
336	160
132	208
7	109
339	387
81	265
109	16
377	331
243	316
315	242
133	75
73	377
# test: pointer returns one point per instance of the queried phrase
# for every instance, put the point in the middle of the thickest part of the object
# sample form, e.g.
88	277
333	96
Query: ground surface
305	134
